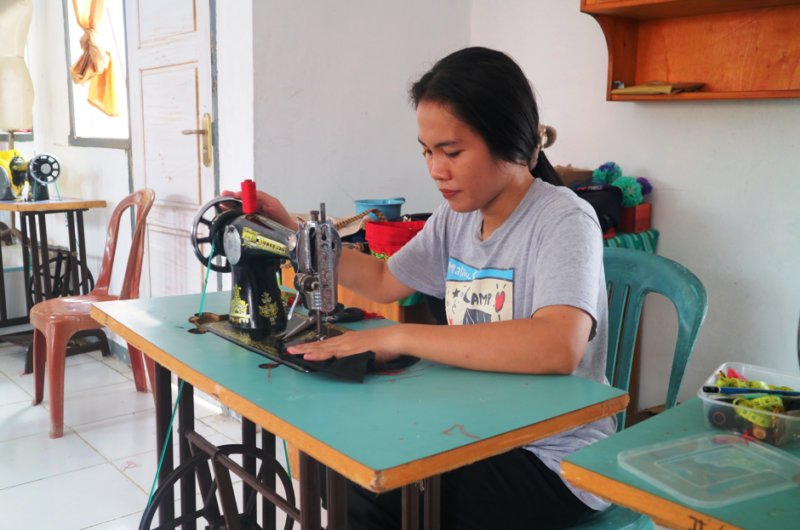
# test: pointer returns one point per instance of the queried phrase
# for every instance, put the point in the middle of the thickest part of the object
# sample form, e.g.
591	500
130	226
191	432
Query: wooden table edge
377	481
55	205
664	512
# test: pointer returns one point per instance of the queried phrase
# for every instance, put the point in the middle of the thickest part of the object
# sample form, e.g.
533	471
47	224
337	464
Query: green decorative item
607	173
631	191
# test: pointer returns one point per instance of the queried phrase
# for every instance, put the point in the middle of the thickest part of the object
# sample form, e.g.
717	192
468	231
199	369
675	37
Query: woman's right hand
269	207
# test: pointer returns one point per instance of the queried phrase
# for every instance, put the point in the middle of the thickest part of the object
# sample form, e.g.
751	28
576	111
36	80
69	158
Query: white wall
235	91
727	192
332	118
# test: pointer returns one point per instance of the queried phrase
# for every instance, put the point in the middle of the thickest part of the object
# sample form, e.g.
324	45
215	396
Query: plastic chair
630	275
55	321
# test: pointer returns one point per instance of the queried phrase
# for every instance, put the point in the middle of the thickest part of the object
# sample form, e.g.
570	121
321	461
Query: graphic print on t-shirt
475	296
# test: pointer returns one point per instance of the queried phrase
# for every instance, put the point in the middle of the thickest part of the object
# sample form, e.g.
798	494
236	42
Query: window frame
18	137
80	141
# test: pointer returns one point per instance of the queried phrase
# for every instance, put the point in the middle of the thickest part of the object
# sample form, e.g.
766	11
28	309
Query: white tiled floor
99	474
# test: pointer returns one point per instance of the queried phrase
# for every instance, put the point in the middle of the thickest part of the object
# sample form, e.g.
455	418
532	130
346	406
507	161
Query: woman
518	258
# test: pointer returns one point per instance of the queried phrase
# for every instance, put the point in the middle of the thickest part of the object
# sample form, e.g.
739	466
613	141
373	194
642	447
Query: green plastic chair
630	275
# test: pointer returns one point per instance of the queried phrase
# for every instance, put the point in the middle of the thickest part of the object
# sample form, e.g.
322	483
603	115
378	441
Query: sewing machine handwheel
44	169
233	208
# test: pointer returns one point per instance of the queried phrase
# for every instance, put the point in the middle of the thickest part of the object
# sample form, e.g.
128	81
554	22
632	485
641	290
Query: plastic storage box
714	469
773	428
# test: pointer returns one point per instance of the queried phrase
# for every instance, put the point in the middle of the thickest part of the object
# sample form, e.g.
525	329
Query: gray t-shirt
548	252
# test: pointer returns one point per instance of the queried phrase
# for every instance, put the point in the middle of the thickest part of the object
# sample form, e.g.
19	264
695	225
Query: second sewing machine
252	247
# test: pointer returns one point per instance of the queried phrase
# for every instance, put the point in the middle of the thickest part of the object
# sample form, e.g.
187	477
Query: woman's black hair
489	92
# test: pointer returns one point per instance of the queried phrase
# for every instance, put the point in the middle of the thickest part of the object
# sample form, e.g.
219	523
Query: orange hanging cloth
95	65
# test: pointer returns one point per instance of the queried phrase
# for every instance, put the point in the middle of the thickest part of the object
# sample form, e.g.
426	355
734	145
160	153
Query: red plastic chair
56	320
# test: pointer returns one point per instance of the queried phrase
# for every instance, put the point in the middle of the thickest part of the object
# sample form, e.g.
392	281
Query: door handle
205	132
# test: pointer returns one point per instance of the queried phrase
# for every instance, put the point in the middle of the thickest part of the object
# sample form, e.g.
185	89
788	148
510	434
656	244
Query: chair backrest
143	201
630	275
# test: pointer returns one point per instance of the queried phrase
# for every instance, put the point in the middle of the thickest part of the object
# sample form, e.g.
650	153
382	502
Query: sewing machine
26	180
252	247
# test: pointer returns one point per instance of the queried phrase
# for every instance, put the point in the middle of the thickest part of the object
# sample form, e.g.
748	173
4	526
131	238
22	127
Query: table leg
267	508
163	390
337	501
73	253
36	273
185	424
310	503
248	462
35	278
48	288
410	509
433	497
82	250
26	266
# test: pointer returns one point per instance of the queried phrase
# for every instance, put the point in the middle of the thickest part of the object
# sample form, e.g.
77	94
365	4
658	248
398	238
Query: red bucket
386	237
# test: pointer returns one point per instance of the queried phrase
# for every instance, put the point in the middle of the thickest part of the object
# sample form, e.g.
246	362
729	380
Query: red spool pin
249	203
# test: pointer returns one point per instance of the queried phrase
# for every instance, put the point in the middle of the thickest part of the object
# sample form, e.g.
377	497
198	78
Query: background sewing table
596	470
391	431
38	261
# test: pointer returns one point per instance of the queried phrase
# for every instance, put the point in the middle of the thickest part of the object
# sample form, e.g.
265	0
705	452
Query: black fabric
511	491
353	367
604	198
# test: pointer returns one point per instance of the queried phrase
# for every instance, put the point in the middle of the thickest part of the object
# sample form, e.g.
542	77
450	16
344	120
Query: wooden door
169	58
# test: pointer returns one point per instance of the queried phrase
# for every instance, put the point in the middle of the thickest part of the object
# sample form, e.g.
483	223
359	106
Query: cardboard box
570	174
635	219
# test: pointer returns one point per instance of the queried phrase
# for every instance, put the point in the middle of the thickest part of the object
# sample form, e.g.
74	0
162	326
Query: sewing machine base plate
270	346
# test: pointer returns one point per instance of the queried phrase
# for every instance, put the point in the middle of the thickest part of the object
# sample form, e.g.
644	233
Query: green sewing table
391	431
595	469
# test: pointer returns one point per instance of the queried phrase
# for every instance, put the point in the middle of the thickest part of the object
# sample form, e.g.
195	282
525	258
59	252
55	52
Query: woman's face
459	161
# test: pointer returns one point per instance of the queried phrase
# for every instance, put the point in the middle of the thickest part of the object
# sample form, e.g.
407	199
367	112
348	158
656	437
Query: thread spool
722	417
249	202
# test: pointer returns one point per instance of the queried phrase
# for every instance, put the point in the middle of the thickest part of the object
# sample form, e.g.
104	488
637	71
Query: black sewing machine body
253	248
27	180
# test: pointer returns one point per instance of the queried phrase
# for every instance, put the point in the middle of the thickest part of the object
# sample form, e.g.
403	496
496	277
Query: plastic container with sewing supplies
389	207
713	470
772	419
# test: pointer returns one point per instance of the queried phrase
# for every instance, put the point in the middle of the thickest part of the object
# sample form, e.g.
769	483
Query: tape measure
748	409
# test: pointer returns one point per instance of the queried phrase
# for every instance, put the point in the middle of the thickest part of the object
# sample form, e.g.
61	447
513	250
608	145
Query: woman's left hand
387	343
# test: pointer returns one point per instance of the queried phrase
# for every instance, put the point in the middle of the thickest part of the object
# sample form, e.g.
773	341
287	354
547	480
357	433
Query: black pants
508	491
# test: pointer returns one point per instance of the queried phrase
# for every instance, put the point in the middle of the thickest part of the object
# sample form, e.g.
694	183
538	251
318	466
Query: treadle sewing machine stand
199	458
75	280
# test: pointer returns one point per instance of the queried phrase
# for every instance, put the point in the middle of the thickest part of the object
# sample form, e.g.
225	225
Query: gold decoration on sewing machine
269	309
238	313
252	239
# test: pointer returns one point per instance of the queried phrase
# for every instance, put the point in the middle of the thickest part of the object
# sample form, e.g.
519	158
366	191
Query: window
89	126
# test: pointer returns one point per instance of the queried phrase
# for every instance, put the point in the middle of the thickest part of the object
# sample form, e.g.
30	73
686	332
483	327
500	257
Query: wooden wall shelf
741	49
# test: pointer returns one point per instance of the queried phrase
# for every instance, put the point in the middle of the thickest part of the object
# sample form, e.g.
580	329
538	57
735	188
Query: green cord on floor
180	390
166	444
286	453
